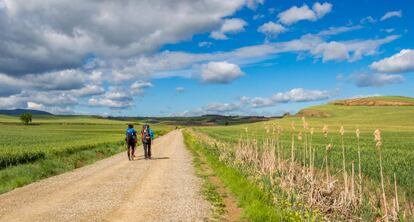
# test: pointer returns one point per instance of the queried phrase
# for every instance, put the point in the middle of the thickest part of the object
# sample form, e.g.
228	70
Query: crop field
312	142
51	137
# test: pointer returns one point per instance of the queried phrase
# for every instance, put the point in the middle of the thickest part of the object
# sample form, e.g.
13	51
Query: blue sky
185	58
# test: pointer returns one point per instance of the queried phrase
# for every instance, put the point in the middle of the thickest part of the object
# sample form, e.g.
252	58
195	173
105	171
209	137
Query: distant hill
377	101
15	112
204	120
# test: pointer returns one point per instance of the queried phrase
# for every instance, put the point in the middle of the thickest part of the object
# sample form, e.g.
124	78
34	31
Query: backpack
146	137
131	137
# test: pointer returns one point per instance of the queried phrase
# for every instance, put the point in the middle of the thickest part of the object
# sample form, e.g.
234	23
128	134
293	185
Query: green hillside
399	118
393	98
387	98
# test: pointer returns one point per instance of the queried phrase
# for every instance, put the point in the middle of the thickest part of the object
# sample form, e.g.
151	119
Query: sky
197	57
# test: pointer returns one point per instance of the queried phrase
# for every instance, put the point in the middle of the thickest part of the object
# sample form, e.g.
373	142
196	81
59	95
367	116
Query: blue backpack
131	136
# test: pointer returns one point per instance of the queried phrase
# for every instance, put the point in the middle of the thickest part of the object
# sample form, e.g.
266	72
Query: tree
26	118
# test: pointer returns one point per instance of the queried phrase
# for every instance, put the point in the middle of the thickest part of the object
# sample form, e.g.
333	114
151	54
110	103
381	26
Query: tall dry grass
318	188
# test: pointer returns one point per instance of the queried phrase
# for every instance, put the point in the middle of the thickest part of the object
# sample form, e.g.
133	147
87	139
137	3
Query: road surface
115	189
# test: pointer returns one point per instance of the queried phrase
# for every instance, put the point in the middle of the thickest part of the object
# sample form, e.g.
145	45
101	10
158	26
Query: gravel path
114	189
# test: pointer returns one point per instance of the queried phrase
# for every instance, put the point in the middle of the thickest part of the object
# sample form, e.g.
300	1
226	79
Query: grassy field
395	123
54	144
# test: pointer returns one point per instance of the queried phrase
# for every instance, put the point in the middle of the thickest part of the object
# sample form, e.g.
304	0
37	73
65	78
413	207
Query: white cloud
271	29
179	89
332	51
218	35
33	33
10	85
400	62
220	72
77	83
139	86
36	106
322	9
293	95
296	14
391	14
366	47
258	16
55	102
59	80
12	102
61	99
247	105
114	98
388	30
363	96
106	102
338	30
233	25
183	64
88	90
205	44
348	50
229	26
375	80
253	4
368	19
221	107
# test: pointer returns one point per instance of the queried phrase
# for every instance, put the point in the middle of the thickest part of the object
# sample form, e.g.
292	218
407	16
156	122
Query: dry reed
378	140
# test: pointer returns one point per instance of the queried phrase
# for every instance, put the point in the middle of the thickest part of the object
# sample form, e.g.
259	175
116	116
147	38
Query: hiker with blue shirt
147	135
131	141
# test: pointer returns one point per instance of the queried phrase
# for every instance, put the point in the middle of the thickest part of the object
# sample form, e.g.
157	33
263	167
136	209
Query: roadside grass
209	190
255	199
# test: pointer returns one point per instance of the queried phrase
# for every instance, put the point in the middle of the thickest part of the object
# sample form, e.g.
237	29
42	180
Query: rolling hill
14	112
377	101
395	113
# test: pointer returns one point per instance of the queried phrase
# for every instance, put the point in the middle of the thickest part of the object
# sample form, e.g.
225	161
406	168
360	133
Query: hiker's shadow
153	158
160	158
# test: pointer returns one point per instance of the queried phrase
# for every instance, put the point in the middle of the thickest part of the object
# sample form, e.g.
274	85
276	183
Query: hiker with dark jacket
147	135
131	141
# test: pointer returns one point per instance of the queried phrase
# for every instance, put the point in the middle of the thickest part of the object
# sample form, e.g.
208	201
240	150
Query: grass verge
209	190
257	203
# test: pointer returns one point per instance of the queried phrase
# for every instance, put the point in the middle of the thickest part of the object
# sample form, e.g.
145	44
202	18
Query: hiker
131	141
147	135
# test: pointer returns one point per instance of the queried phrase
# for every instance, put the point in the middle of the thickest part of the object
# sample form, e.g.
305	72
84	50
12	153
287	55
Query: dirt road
114	189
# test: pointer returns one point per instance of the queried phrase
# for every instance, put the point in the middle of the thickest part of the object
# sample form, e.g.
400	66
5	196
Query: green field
396	124
77	140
